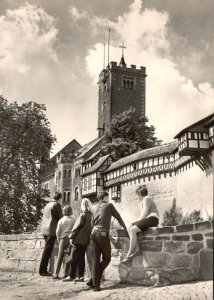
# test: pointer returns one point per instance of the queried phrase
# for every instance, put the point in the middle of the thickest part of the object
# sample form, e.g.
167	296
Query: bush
173	216
194	217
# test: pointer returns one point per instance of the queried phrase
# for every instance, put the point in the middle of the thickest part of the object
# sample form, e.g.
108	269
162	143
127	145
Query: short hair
57	196
67	210
142	190
102	195
85	205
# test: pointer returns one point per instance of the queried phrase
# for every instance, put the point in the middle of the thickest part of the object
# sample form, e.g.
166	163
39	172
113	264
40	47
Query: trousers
63	244
47	251
100	245
79	264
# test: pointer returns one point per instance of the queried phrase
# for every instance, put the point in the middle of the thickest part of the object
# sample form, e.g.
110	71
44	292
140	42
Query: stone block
174	247
156	259
210	243
184	228
180	237
163	237
197	237
209	234
206	264
181	260
194	247
151	246
202	225
178	275
167	229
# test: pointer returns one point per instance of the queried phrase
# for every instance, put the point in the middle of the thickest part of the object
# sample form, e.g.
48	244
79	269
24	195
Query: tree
25	143
129	133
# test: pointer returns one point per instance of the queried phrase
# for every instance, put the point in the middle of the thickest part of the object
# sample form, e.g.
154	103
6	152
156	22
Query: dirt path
28	286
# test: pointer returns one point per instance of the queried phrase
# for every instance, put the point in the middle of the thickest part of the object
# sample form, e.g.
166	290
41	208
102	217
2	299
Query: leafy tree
173	216
129	133
25	143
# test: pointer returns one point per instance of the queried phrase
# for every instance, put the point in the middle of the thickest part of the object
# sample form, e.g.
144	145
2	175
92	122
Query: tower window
128	82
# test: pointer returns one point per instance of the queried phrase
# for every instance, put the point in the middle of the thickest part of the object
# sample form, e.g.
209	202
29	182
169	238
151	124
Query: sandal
126	259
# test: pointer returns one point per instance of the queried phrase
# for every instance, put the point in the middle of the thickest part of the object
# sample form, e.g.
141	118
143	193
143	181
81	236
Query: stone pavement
29	286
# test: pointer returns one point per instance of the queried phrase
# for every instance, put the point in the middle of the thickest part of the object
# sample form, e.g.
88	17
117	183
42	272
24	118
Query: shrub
173	216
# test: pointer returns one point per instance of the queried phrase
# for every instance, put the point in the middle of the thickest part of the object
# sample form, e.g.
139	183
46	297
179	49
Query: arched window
64	197
76	197
59	175
69	173
65	173
68	197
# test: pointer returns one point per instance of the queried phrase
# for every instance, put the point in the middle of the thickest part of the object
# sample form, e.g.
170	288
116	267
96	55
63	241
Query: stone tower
120	88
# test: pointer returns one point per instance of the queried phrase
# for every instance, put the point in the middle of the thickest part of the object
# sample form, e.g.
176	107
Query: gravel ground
30	286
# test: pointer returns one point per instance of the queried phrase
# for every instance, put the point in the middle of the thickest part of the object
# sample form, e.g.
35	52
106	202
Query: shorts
146	223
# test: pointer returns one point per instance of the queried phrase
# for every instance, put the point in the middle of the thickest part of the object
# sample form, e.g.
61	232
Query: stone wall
169	254
189	185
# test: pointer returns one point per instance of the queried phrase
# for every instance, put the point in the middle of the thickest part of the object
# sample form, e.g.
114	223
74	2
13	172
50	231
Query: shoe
55	277
79	279
46	274
68	279
126	259
138	252
97	289
90	283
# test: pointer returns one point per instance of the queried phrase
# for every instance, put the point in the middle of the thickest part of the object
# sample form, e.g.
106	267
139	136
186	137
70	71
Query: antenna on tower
108	43
104	51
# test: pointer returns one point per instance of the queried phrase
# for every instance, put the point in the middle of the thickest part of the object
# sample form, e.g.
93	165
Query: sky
51	52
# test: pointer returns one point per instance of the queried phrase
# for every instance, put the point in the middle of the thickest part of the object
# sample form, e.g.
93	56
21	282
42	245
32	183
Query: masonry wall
191	187
169	254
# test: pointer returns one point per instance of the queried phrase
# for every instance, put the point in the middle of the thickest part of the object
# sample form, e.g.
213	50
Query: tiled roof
88	147
92	156
206	119
96	165
143	154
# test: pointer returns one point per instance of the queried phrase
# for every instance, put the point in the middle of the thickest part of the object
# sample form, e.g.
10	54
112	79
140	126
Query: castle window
65	173
90	183
68	197
77	172
76	193
64	197
59	175
115	192
46	186
128	82
69	173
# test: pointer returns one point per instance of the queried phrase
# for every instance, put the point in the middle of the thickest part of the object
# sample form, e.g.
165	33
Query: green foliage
193	217
25	143
129	133
172	216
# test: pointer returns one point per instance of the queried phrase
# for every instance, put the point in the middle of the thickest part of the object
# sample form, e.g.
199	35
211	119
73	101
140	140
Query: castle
181	170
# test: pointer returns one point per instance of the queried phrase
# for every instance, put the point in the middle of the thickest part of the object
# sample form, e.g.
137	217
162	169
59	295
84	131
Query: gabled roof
143	154
204	120
92	156
96	166
84	150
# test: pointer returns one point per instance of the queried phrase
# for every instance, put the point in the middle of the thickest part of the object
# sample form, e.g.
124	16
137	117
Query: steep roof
143	154
96	165
83	151
205	120
92	156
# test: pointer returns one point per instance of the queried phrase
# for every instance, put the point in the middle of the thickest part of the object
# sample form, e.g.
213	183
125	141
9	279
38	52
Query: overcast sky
51	52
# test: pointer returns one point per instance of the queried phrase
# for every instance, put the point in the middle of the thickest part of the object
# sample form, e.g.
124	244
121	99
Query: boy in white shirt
63	230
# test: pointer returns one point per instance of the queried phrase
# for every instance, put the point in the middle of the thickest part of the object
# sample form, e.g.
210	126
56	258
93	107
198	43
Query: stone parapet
171	254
